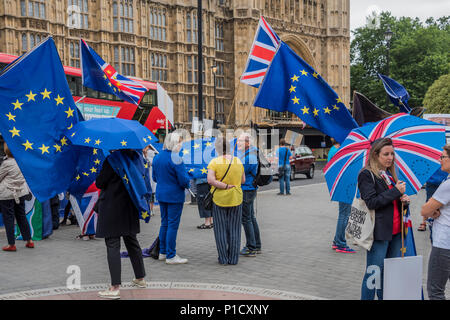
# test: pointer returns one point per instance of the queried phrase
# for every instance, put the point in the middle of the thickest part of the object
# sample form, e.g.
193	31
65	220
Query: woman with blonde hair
225	175
381	190
13	190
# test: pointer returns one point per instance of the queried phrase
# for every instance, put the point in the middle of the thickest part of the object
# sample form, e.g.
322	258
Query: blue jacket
282	154
437	177
171	178
250	161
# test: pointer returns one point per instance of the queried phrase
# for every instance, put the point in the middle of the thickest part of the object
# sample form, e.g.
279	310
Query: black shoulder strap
231	161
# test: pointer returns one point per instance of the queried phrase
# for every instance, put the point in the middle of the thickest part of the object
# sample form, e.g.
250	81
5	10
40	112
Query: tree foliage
437	98
419	54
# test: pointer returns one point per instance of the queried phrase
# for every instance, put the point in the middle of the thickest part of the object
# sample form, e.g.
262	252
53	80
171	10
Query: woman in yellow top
227	202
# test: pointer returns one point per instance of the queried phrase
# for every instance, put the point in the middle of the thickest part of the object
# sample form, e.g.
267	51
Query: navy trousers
10	210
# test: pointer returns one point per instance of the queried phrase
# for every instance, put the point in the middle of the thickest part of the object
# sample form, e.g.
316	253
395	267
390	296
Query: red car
302	162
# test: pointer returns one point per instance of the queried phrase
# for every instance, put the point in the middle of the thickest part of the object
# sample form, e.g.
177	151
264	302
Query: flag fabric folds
263	49
133	170
83	208
292	85
365	110
37	112
196	155
101	76
396	92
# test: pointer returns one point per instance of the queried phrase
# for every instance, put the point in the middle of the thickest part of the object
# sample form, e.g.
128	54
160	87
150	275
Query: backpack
264	173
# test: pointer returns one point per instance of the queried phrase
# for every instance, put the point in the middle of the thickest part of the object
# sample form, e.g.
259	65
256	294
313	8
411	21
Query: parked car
302	161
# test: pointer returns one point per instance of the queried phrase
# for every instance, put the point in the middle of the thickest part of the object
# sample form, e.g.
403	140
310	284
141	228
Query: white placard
403	278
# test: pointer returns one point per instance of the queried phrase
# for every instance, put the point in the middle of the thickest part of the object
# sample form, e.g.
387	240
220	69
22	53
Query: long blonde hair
373	164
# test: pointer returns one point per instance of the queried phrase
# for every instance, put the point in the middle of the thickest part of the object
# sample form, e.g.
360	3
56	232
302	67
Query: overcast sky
423	9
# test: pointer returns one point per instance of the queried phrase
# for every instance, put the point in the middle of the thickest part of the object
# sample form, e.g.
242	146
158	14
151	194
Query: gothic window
158	25
192	69
36	8
159	67
219	36
74	54
124	61
123	16
220	75
81	7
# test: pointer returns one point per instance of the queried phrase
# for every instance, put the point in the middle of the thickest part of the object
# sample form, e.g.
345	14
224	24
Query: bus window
72	85
149	98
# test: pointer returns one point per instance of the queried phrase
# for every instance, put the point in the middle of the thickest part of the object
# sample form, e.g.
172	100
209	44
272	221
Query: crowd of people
231	182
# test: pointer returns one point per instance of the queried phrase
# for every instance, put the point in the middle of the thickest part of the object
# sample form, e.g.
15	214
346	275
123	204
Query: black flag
365	110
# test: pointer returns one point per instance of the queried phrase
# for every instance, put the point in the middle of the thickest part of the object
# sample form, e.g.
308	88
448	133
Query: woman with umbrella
383	192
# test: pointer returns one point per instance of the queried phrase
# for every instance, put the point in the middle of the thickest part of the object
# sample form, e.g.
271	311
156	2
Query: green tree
419	54
437	98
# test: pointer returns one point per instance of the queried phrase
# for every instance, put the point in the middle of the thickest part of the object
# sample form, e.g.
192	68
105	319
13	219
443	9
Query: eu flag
101	76
396	93
292	85
196	155
37	112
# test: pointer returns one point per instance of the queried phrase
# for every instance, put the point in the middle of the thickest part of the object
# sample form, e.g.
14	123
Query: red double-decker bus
95	104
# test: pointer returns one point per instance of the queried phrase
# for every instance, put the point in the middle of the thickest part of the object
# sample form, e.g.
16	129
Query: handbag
361	224
208	201
282	170
154	249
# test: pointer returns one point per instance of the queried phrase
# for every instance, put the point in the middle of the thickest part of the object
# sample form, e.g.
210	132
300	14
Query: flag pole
403	233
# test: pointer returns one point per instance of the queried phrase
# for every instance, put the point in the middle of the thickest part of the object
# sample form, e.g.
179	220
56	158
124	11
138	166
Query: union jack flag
101	76
417	144
261	54
84	210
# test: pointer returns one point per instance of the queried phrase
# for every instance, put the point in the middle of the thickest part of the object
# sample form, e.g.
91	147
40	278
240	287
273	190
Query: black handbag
208	201
154	249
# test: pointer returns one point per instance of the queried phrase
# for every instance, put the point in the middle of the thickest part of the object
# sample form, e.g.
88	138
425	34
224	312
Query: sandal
422	227
202	226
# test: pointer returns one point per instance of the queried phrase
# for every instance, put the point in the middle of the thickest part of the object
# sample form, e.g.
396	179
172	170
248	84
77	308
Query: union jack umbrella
261	54
417	143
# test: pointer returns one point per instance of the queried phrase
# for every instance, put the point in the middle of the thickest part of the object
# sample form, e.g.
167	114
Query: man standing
284	167
249	158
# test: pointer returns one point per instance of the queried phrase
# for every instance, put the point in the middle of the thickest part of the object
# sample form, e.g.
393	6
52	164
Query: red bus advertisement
95	104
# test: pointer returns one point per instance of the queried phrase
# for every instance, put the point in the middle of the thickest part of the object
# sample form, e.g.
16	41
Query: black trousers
10	210
113	255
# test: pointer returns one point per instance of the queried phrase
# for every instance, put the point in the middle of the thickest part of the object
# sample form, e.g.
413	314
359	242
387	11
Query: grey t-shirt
441	225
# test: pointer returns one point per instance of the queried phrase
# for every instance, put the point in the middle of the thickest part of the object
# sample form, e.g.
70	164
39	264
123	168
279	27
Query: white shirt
441	225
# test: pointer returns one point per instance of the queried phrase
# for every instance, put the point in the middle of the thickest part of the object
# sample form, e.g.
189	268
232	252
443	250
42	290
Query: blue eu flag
196	155
396	92
292	85
37	113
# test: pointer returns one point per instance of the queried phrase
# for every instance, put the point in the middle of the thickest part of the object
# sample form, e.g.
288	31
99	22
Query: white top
149	156
441	225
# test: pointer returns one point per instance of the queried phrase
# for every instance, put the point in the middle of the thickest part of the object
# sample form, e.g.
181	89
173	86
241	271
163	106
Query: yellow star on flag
31	96
204	170
97	161
44	149
185	152
124	143
294	78
145	214
145	140
59	100
14	132
335	107
87	140
109	84
17	105
64	141
150	137
296	100
292	89
305	110
208	144
126	178
93	170
46	94
94	151
57	147
316	112
327	110
146	165
78	177
97	142
70	127
28	145
72	134
316	75
191	170
11	117
196	146
104	76
69	113
339	100
86	174
304	73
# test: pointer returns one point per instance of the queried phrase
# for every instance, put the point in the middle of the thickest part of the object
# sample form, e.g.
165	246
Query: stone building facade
157	41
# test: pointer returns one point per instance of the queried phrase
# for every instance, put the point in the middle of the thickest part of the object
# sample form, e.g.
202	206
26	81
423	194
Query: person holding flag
118	216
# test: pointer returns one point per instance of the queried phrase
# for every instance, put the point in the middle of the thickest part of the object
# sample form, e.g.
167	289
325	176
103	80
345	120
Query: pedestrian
249	158
13	191
149	154
438	208
203	188
171	177
118	218
284	168
54	207
381	190
431	186
225	175
339	242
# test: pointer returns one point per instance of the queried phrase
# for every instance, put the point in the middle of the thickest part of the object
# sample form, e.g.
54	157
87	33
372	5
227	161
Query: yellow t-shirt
231	197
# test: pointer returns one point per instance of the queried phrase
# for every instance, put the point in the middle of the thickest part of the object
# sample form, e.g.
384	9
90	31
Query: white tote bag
361	224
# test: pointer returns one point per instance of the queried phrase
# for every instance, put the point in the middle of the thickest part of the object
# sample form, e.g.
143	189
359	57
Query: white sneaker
139	283
176	260
162	257
110	294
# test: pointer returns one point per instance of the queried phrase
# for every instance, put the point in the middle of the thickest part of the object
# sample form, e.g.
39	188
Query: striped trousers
227	232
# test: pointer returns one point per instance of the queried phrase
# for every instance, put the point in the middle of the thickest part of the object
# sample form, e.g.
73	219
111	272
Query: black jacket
117	215
377	196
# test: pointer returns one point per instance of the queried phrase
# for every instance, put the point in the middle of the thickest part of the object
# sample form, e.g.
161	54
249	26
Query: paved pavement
297	261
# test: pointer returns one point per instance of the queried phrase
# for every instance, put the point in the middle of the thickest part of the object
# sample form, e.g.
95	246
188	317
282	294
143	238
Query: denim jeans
170	221
286	178
344	213
373	278
249	223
